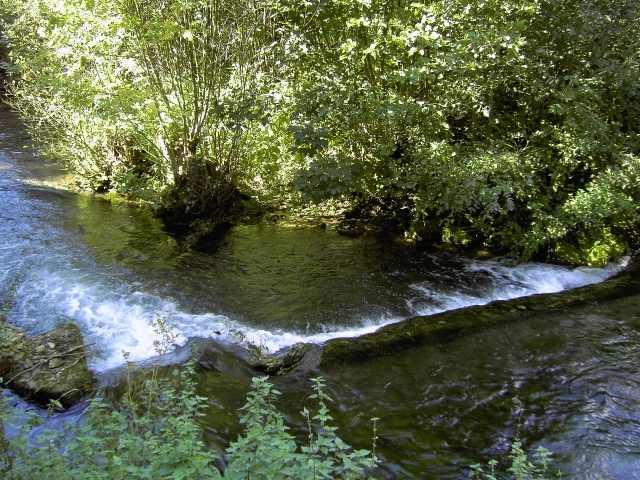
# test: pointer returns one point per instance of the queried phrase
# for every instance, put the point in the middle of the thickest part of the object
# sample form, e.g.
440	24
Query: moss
282	363
47	367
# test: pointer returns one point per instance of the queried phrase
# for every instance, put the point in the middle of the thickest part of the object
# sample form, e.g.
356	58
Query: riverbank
475	157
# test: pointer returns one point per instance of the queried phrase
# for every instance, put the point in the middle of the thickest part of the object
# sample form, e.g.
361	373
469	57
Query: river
565	380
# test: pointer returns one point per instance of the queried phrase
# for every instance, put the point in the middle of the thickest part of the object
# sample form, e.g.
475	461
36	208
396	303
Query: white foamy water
49	274
117	322
120	318
506	283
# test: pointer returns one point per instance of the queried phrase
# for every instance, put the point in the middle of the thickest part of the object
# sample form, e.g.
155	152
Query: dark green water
566	380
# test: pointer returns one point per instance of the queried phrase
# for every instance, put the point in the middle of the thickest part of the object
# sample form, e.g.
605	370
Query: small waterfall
120	318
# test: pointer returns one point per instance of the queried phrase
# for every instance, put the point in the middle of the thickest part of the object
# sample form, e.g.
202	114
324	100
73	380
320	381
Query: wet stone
51	366
282	363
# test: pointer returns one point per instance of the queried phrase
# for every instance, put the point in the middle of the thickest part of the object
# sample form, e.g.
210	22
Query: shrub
523	467
508	120
144	97
267	450
69	79
203	63
158	436
513	123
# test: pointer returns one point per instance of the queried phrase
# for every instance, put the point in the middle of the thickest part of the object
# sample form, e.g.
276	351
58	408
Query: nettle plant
159	437
152	431
537	466
267	450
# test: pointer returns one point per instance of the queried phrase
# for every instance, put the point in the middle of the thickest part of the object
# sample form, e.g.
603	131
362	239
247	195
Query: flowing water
567	381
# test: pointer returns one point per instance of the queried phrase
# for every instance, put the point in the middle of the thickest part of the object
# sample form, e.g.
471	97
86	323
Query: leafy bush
158	436
325	455
157	439
69	81
203	63
144	97
515	121
523	467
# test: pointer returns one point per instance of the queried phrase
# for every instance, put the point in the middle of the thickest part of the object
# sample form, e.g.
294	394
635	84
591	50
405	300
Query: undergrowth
157	435
537	466
160	438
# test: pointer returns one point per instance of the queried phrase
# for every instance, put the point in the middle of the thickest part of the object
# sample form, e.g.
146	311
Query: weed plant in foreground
159	437
156	435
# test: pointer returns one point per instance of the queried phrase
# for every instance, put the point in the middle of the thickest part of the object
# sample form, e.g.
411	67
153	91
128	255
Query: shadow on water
564	379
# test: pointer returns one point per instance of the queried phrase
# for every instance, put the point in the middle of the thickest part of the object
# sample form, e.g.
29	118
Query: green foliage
140	97
267	450
509	120
522	467
159	437
203	62
514	123
69	82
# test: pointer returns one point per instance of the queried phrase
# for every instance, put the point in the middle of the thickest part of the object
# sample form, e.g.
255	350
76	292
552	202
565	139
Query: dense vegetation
512	124
155	434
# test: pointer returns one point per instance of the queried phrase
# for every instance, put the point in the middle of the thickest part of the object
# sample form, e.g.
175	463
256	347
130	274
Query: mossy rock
281	363
51	366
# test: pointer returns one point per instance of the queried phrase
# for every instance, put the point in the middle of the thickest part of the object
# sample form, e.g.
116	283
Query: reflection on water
114	271
568	380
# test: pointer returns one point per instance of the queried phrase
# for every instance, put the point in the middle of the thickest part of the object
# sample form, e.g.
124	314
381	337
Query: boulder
51	366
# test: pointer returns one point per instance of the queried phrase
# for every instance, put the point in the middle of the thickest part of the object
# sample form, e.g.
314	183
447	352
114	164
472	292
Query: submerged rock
234	361
281	363
51	366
